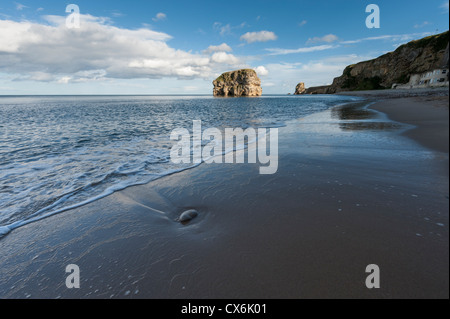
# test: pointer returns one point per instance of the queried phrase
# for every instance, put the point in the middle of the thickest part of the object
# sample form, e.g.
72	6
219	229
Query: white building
435	78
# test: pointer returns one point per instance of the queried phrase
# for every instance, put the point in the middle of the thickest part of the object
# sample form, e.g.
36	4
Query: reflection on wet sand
353	111
358	126
356	117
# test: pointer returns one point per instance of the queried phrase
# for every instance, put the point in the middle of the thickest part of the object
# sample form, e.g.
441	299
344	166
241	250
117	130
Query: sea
62	152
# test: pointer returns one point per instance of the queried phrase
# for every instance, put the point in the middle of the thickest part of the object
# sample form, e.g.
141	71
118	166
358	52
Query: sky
180	47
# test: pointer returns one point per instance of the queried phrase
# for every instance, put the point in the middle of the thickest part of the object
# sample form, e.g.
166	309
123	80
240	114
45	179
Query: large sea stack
243	82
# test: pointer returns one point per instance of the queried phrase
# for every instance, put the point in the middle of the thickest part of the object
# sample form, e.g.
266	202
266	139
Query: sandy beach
355	186
427	110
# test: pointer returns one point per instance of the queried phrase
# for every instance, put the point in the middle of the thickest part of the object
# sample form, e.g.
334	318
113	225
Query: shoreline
347	194
431	125
426	109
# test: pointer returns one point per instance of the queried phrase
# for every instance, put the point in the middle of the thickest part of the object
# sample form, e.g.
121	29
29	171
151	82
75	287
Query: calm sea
58	152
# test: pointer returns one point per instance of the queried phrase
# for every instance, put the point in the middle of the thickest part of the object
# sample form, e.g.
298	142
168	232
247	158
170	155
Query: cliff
243	82
394	67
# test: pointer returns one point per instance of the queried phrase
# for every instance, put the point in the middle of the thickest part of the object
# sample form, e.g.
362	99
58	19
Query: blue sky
179	47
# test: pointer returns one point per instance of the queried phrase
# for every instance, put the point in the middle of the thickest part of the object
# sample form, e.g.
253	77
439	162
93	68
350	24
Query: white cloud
117	14
301	24
261	36
20	6
224	30
223	57
98	50
326	38
278	51
261	71
218	48
227	28
64	79
393	37
159	17
421	25
445	6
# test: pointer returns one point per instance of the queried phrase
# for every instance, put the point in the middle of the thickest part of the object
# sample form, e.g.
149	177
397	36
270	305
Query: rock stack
243	82
300	88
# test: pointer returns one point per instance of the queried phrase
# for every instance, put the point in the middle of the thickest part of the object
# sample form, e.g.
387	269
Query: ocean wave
65	158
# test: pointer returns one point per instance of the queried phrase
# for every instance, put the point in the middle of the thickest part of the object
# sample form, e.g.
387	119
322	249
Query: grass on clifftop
438	41
227	75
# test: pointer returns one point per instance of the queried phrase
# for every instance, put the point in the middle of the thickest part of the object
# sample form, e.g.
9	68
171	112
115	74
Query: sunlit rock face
243	82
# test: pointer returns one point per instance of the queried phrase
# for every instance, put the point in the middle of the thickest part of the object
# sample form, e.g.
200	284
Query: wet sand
426	109
351	190
429	115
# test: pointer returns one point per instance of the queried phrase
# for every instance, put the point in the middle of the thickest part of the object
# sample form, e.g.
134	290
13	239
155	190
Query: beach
355	186
408	106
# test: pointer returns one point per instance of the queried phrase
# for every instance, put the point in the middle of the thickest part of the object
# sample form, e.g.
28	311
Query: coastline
348	193
431	123
426	109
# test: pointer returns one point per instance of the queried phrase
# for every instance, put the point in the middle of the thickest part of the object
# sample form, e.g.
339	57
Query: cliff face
243	82
394	67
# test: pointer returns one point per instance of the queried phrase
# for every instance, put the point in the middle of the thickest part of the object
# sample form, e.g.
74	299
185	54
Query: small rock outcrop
300	88
243	82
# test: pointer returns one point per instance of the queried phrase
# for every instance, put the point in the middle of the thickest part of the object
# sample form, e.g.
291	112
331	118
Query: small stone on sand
187	216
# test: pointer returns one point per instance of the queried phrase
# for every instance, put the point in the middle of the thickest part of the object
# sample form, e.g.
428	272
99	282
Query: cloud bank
52	52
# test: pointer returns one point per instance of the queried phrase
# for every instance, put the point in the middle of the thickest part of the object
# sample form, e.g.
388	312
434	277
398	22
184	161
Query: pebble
187	216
